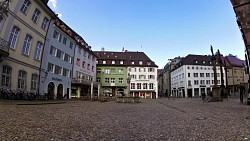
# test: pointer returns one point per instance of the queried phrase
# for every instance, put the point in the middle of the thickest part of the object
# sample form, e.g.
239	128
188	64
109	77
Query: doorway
51	89
60	91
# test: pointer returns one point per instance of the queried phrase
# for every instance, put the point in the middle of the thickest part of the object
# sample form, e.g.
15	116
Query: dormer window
203	62
132	62
121	62
148	63
113	62
196	62
140	62
104	62
210	62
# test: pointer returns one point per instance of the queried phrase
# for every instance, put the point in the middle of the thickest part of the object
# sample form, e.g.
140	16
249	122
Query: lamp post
4	8
128	84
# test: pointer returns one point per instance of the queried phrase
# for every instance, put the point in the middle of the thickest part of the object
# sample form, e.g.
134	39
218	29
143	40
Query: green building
112	79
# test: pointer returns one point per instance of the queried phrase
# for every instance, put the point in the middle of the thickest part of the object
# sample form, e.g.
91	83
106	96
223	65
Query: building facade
57	61
128	70
84	71
235	73
194	76
25	29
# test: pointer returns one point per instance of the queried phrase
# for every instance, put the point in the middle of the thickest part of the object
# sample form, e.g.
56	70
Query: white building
143	73
84	71
193	76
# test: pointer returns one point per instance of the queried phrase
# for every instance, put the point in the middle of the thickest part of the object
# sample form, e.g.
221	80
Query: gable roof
127	57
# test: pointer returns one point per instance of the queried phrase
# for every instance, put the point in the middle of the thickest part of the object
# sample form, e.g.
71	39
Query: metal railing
4	45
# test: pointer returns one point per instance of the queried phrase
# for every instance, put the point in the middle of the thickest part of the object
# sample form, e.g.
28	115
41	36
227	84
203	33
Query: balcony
83	81
4	49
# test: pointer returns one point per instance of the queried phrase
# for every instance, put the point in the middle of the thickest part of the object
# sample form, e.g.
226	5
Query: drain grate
201	118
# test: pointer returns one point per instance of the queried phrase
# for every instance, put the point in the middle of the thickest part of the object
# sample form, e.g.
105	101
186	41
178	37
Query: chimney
102	49
123	49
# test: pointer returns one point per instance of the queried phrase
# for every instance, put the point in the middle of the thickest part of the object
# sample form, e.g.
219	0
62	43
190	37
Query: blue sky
163	29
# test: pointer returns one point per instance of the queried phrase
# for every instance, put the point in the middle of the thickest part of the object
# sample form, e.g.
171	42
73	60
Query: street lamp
4	8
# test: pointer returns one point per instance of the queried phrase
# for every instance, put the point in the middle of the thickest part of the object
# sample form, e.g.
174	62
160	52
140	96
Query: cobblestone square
185	119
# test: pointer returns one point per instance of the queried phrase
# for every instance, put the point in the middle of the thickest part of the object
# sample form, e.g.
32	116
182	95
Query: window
132	62
189	83
188	74
58	53
208	82
22	76
104	62
38	50
51	67
98	70
212	81
79	50
84	53
195	74
120	80
55	34
58	70
34	82
26	45
93	68
196	62
25	7
106	80
201	74
203	62
64	40
138	85
142	77
65	72
112	70
148	63
218	74
112	80
140	62
89	56
132	85
202	82
207	74
13	37
151	86
150	69
121	62
133	69
45	22
107	71
145	85
120	71
142	70
212	74
71	45
218	81
151	77
88	68
78	62
133	76
188	67
196	82
35	16
113	62
6	76
98	79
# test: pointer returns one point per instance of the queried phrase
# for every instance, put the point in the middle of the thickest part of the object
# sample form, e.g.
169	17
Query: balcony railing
83	81
4	48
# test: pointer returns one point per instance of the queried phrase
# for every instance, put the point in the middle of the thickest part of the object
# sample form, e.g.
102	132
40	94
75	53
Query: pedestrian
242	89
203	95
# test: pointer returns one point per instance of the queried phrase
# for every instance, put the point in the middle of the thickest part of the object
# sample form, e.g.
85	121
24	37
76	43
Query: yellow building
25	29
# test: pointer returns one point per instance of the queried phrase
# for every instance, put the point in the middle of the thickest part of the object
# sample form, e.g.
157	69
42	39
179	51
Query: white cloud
54	3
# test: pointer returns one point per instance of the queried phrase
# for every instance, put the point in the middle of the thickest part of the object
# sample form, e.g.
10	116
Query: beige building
25	29
235	73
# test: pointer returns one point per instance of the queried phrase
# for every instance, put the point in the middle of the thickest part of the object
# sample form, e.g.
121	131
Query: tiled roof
234	61
129	58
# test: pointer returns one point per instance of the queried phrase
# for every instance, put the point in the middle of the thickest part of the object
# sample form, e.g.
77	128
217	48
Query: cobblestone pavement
183	119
